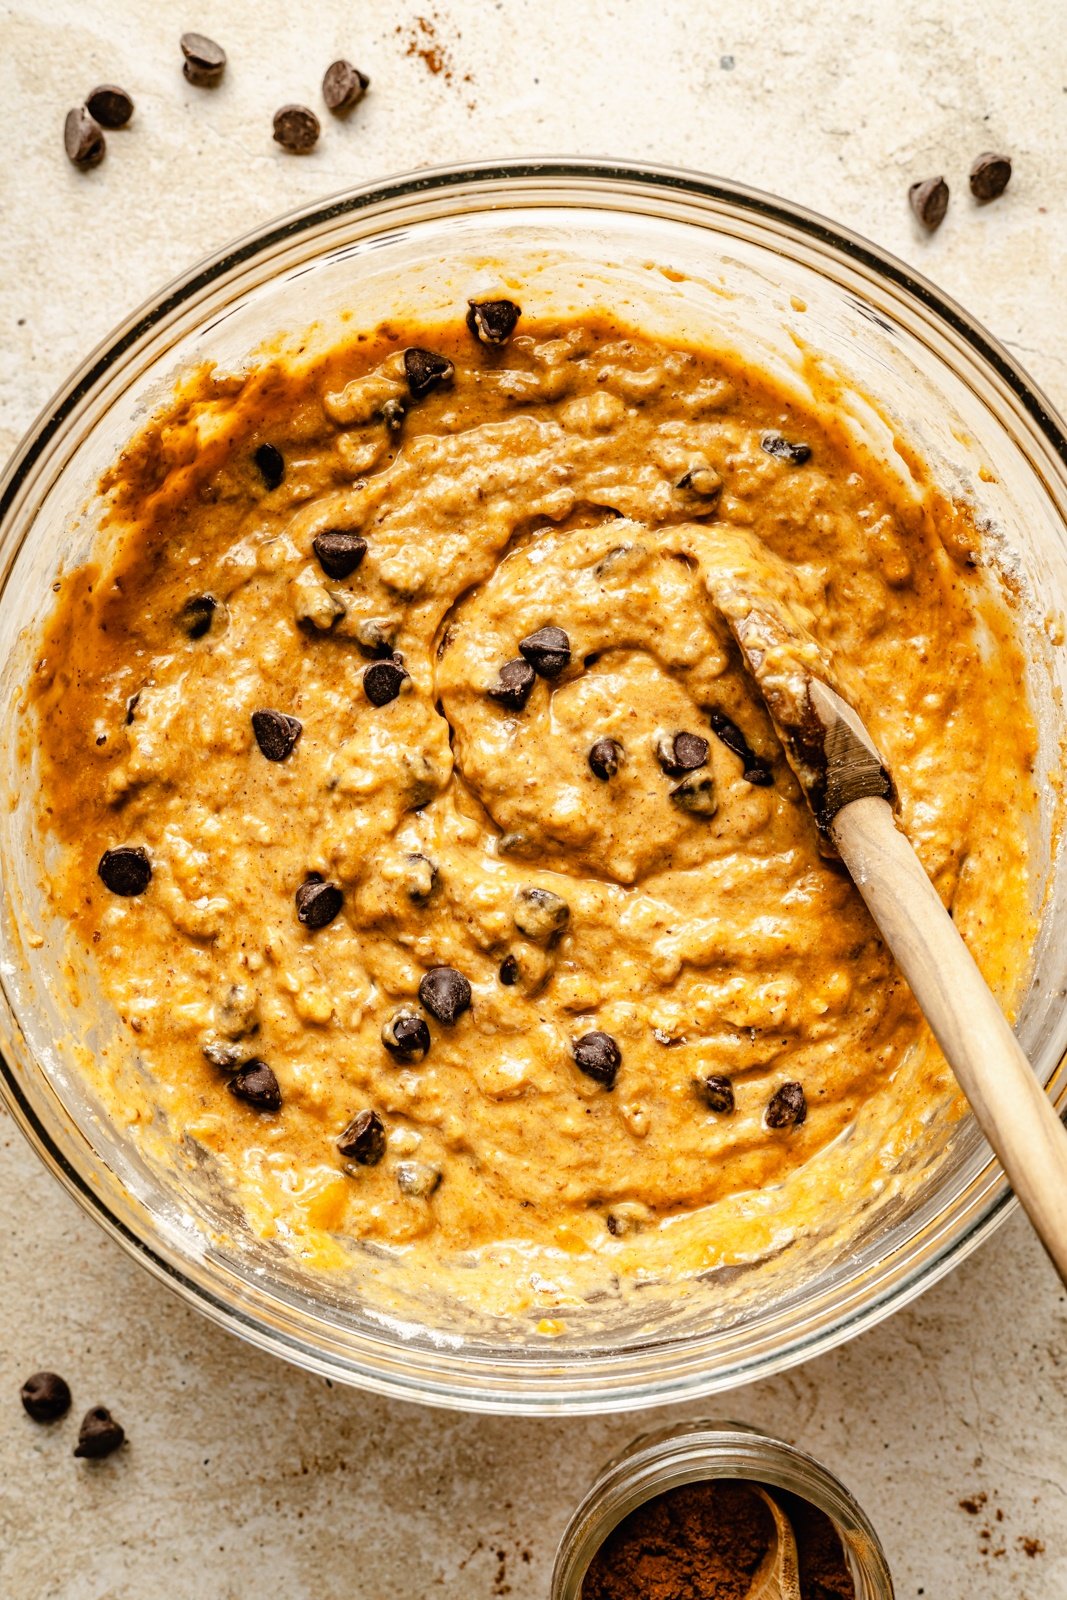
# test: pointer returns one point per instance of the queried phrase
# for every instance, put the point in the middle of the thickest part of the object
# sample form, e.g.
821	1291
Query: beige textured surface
244	1477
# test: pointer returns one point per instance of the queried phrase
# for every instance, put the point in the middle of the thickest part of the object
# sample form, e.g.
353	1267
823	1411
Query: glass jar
693	1452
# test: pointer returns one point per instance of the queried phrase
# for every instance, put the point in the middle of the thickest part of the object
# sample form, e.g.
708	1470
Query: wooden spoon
778	1574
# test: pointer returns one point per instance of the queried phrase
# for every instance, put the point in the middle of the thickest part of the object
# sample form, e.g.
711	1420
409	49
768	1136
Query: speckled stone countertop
244	1477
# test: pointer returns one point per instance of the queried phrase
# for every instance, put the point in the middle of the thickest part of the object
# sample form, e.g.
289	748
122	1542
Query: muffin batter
433	846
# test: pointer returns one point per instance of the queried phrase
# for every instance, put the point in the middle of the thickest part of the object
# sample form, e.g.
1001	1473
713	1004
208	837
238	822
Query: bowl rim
487	182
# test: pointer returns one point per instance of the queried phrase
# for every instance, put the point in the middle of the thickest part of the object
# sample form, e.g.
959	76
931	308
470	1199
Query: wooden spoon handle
1012	1109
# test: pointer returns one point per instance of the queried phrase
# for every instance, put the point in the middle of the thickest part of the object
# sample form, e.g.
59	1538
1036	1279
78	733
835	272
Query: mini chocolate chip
363	1141
514	684
445	993
223	1055
317	902
339	551
257	1086
271	464
343	86
703	482
383	681
548	651
417	1178
681	752
421	877
205	61
45	1396
131	707
296	129
539	913
375	635
276	734
598	1056
110	105
605	758
406	1036
762	777
425	370
989	177
509	971
929	200
83	139
696	794
126	870
755	770
783	450
716	1091
492	321
392	414
197	615
99	1435
788	1107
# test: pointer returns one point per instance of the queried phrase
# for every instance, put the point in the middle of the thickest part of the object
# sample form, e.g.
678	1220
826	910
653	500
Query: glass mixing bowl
676	254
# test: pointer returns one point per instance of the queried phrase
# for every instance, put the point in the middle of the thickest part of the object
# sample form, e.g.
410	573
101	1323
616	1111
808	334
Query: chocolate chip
205	61
343	86
257	1086
548	651
383	682
375	635
317	902
929	200
539	913
197	615
392	414
421	877
990	176
296	129
276	734
701	481
45	1396
445	993
755	770
513	685
605	758
83	139
417	1178
271	464
363	1141
509	971
126	870
223	1055
131	707
598	1056
716	1092
339	551
99	1435
681	752
782	450
425	370
696	794
110	105
492	321
788	1107
406	1036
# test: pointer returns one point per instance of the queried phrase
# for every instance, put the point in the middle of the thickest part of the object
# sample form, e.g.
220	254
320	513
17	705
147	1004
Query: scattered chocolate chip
205	61
703	482
605	758
126	870
539	913
716	1091
45	1396
343	86
548	651
598	1056
417	1178
83	139
317	902
406	1036
339	551
131	707
929	200
681	752
257	1086
509	971
513	685
296	129
445	993
237	1011
990	176
271	464
421	877
276	733
223	1055
788	1107
363	1141
492	321
197	615
375	635
110	106
99	1435
393	413
782	450
383	681
425	370
755	770
696	794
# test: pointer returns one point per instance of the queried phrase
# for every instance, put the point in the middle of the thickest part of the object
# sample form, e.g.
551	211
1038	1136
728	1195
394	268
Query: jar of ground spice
689	1513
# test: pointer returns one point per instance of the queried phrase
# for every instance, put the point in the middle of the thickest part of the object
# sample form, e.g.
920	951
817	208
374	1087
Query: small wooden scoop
849	790
778	1574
